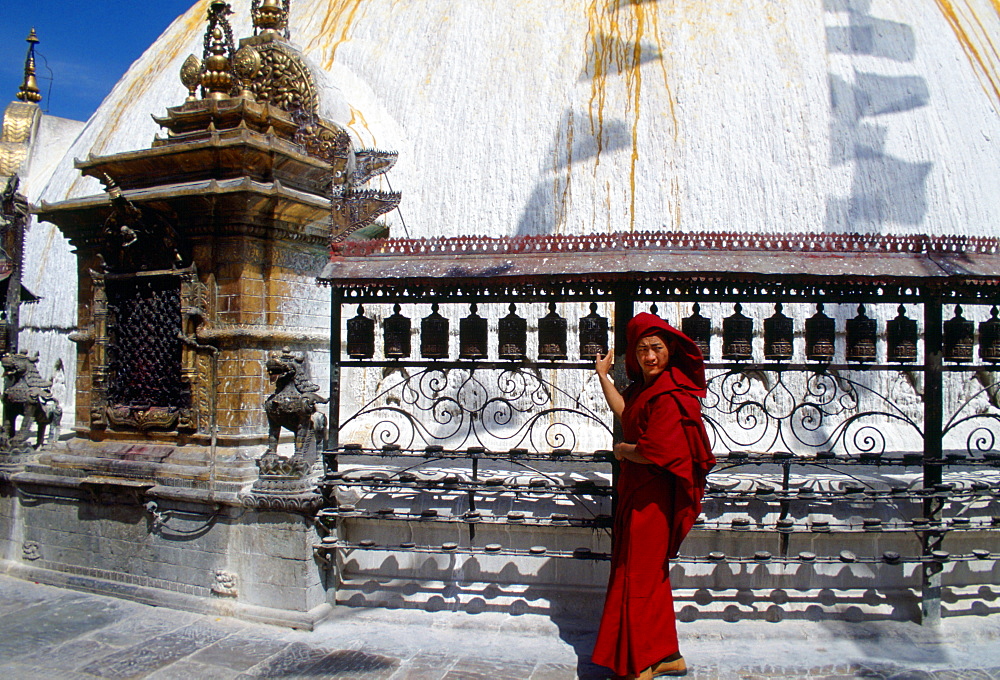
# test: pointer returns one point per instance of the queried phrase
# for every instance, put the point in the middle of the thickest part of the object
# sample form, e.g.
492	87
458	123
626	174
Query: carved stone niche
145	367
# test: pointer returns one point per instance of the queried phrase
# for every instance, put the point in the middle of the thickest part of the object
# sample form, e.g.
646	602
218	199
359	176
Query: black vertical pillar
15	210
930	597
333	430
624	311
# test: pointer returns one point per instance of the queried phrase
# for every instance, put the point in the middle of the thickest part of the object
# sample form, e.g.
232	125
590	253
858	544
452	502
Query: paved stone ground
48	633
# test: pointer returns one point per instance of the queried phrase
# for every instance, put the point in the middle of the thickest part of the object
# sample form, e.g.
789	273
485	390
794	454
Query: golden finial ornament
247	63
216	74
29	91
270	15
191	76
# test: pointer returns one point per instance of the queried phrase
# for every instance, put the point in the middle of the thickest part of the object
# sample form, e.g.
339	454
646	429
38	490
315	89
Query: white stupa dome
587	116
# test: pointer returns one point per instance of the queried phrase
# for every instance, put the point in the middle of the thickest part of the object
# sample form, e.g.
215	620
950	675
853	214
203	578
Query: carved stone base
222	469
285	493
12	463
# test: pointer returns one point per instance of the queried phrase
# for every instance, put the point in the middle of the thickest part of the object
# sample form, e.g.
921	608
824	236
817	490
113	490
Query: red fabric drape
657	504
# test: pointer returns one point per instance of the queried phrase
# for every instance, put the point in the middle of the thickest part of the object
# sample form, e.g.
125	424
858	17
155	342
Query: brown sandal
674	667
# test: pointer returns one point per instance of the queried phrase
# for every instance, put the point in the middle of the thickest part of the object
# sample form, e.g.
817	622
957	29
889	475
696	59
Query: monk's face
652	354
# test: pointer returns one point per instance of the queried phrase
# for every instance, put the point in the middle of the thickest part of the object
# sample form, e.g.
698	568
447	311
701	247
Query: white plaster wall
49	265
589	116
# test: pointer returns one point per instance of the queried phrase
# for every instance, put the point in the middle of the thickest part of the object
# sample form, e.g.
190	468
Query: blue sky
86	46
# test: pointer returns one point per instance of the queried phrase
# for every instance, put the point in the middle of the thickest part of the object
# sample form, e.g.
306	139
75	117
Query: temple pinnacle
29	91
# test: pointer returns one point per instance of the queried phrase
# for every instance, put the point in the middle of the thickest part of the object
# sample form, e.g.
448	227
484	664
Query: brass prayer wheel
699	329
396	335
958	338
779	333
862	332
593	334
737	335
989	338
361	336
820	335
512	334
472	335
552	335
434	335
901	334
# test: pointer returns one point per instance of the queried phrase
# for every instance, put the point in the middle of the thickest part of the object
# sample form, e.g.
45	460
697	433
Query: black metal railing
821	389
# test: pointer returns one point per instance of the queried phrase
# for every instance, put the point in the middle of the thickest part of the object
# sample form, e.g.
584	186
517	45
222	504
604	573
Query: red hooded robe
657	504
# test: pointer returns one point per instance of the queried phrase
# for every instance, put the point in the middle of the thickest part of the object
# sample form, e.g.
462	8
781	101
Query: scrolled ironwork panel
801	412
463	407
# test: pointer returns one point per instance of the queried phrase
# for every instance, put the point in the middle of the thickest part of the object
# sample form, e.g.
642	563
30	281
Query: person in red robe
664	459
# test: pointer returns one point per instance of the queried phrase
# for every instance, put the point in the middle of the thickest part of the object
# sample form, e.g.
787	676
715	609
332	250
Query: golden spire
217	74
270	15
29	91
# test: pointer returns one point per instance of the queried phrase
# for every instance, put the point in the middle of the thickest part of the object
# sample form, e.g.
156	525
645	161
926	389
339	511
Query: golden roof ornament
270	15
29	91
216	74
191	76
247	63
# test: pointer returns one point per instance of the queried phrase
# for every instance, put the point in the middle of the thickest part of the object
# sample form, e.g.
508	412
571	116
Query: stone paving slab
54	633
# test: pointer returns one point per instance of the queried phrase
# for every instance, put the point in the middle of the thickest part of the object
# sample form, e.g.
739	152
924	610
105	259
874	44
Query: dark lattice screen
144	351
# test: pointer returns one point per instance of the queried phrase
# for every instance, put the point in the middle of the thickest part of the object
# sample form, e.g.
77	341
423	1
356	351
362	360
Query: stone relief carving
225	583
31	551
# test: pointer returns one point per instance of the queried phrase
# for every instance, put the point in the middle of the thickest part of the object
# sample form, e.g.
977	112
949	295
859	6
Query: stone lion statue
28	396
292	406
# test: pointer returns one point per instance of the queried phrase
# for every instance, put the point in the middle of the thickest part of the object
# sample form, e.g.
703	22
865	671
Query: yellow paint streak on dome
675	188
358	124
337	22
138	82
562	184
615	33
975	41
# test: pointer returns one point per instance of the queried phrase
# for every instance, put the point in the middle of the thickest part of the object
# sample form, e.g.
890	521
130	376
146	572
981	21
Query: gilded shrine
196	269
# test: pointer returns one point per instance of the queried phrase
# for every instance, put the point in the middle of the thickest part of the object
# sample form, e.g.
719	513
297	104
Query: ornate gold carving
283	79
142	419
370	163
191	76
18	121
353	210
246	65
324	141
11	158
134	238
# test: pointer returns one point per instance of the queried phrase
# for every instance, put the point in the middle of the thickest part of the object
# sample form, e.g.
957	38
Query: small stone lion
293	406
28	396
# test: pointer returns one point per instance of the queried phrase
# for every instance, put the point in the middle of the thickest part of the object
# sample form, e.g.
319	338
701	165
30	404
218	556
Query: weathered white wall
50	269
595	115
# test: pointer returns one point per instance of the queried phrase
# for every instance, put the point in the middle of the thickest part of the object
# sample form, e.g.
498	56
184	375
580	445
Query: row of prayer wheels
473	335
861	334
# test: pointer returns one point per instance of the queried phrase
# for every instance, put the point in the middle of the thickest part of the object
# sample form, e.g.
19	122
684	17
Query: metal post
930	593
624	311
333	429
13	242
